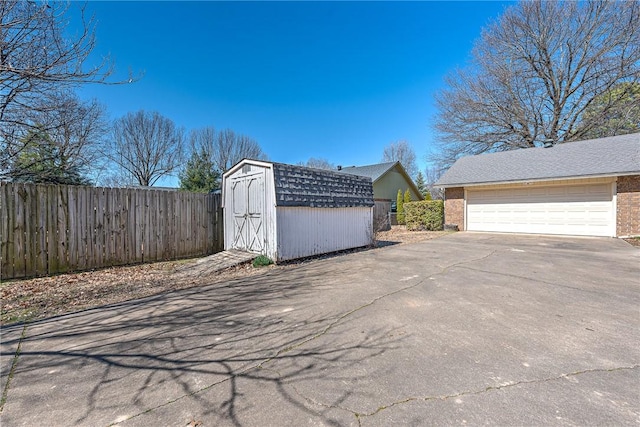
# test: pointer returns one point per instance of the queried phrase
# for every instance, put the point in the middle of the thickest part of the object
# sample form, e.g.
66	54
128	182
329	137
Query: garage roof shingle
616	155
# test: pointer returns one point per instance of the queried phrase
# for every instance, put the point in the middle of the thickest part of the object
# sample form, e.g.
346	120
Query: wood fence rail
48	229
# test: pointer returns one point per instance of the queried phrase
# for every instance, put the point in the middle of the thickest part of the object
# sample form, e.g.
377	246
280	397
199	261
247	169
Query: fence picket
83	260
63	210
146	228
18	232
52	229
139	226
110	248
5	243
41	230
152	223
99	225
165	226
30	211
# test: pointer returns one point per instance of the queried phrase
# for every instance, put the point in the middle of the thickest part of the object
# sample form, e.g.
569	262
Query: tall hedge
424	215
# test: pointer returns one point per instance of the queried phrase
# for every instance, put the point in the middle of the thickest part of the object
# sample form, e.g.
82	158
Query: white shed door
248	213
583	209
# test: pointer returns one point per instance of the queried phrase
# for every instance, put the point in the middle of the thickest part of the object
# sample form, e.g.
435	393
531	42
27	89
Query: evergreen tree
42	162
400	207
615	112
422	187
199	174
407	196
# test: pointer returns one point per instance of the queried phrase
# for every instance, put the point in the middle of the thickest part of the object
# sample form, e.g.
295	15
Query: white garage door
584	209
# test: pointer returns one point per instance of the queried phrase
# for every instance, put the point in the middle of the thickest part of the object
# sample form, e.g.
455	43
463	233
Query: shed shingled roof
616	155
319	188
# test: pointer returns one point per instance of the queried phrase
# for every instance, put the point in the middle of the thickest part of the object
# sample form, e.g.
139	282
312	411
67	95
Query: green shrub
424	215
400	208
261	261
407	196
400	202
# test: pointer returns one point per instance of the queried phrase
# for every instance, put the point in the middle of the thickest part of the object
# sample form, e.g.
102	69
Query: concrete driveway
467	329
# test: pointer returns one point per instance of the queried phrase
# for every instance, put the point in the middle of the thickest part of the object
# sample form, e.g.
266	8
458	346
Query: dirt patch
399	234
633	241
32	299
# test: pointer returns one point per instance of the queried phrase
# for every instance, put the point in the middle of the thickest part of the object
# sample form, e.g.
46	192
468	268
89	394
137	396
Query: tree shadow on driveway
210	352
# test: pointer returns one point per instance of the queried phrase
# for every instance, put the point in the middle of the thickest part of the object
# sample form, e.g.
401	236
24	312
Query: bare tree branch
402	152
318	163
224	148
231	148
533	74
37	59
74	130
145	146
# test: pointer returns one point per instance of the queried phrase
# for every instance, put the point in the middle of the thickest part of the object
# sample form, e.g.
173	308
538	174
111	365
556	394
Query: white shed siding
304	231
270	214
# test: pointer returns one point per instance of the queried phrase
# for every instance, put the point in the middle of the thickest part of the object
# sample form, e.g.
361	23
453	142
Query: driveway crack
12	370
307	398
498	387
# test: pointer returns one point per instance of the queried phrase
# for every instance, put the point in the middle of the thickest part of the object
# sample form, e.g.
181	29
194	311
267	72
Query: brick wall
628	215
454	206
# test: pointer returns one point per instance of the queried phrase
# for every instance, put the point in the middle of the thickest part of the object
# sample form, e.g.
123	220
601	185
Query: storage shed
287	212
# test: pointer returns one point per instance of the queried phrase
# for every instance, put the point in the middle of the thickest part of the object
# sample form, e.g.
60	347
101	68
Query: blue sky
335	80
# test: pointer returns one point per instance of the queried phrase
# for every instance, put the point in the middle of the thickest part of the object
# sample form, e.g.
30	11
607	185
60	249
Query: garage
581	209
581	188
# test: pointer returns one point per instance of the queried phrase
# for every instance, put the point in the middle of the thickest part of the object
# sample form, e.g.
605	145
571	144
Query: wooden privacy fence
381	211
47	229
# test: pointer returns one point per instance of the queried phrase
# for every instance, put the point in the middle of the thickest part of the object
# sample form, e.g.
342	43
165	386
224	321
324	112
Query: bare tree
230	148
37	58
78	129
225	148
431	175
401	152
534	72
203	140
146	146
318	163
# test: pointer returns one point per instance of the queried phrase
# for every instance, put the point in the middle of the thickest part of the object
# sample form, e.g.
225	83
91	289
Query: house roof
374	172
611	156
377	171
318	188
